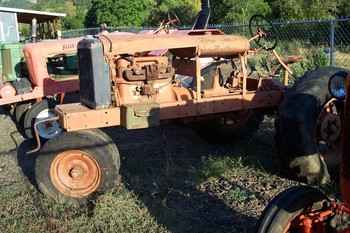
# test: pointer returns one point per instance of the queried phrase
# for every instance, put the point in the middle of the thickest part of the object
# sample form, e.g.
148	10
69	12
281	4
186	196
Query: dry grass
184	185
342	59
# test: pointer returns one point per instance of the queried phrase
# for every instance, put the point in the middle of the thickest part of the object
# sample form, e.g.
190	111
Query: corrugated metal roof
25	16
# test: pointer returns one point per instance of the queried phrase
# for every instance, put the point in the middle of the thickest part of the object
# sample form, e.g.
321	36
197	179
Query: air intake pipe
34	30
203	17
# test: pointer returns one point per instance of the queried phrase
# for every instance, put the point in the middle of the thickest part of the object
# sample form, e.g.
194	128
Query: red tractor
39	72
306	209
36	69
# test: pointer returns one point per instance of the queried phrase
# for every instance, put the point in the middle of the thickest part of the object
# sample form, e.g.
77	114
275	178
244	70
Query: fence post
332	43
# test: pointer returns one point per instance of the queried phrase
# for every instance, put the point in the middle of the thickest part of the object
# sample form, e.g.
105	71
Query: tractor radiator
95	86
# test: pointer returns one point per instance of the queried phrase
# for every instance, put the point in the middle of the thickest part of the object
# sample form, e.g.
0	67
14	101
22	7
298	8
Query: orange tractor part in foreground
306	209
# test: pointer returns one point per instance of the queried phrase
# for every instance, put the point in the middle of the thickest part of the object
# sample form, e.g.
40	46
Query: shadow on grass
162	167
27	162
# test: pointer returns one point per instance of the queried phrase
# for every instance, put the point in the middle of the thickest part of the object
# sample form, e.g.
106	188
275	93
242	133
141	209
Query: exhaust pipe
34	30
203	17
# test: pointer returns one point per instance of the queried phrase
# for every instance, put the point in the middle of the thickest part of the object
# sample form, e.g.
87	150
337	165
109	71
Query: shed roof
26	16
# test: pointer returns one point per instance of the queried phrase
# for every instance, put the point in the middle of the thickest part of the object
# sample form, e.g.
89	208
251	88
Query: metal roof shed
26	16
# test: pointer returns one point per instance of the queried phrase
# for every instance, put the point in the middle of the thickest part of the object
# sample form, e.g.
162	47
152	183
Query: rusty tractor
306	209
39	72
199	75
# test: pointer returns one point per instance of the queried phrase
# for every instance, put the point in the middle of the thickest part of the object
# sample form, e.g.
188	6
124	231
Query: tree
228	11
75	12
186	10
16	4
75	21
119	13
343	8
303	9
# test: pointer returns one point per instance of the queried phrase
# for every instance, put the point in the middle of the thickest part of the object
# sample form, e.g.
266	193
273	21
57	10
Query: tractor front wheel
75	167
19	113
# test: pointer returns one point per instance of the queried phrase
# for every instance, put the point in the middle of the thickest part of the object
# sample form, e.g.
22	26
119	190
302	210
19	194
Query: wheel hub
47	130
75	173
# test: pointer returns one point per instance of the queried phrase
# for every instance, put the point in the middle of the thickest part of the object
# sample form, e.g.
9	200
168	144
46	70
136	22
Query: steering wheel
166	24
263	30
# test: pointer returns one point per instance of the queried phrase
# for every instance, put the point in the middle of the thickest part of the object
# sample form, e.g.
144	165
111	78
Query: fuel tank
178	44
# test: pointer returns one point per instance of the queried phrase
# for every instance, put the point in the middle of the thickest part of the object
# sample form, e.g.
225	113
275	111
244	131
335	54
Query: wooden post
244	73
286	78
198	77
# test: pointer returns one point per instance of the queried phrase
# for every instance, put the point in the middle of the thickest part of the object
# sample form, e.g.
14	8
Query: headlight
337	86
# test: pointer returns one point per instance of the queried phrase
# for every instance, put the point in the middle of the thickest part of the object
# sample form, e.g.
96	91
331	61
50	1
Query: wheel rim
75	173
47	130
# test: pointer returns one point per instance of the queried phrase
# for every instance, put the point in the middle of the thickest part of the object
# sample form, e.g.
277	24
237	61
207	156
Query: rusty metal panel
214	105
75	117
140	116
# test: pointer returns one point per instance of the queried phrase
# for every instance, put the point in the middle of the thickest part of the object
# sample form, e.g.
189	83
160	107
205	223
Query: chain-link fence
324	42
320	42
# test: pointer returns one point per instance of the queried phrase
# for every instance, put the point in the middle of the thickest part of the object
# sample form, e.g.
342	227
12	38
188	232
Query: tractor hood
180	45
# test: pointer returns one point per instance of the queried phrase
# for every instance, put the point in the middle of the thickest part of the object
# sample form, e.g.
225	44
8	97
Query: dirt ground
171	181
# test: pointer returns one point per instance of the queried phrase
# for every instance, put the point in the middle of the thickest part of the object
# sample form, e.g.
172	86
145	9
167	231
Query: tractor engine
122	80
123	73
144	79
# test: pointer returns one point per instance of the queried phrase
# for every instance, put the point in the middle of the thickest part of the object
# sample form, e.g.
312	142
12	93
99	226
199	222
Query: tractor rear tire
19	113
287	206
75	167
296	127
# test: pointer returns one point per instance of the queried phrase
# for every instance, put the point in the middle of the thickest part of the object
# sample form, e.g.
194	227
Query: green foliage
75	21
186	10
24	4
313	58
237	194
119	13
228	11
92	13
304	9
75	10
215	167
343	8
